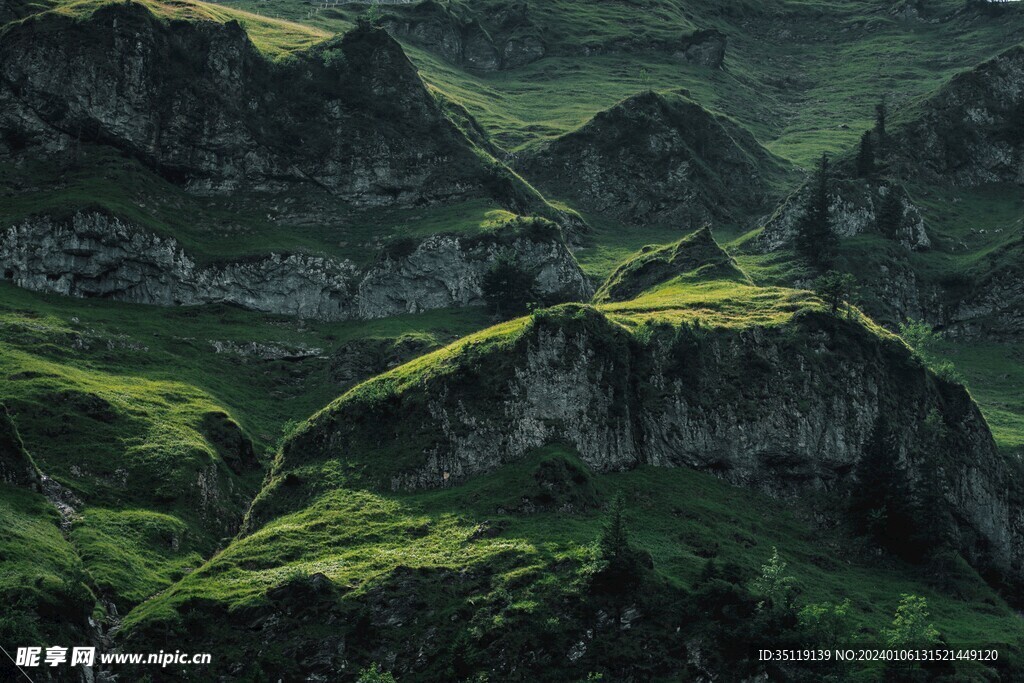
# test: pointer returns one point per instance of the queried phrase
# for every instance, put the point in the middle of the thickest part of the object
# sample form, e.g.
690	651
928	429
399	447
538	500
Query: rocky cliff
705	47
787	410
970	132
93	254
657	159
854	207
483	39
196	101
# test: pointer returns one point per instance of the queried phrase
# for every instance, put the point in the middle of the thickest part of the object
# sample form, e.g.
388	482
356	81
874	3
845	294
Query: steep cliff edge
657	159
785	408
200	104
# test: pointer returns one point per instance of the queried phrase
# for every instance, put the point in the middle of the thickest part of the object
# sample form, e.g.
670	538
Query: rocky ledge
854	207
98	255
197	102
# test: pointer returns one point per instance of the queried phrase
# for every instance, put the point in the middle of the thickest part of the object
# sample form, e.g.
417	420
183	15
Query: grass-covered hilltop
508	340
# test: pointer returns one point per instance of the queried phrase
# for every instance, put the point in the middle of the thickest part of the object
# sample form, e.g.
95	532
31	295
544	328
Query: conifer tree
815	240
890	213
881	502
933	531
881	116
866	156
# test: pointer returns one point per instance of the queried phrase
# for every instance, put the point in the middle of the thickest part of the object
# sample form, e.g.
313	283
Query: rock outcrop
197	102
971	132
787	410
967	134
510	38
854	207
657	159
705	47
98	255
697	256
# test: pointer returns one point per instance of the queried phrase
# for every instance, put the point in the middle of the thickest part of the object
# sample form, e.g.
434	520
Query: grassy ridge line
275	38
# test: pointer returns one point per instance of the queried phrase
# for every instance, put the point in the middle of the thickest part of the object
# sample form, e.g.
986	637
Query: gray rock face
994	306
853	210
95	255
656	159
197	102
969	133
510	39
706	48
787	411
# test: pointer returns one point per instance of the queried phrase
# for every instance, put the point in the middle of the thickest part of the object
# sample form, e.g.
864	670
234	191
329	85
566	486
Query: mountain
198	102
348	341
958	142
657	159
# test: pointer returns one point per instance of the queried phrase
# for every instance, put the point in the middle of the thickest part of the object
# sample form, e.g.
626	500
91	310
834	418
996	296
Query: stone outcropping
970	132
787	410
510	38
853	210
705	47
657	159
96	255
197	102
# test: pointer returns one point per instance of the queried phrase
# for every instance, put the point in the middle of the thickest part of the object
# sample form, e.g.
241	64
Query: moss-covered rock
696	257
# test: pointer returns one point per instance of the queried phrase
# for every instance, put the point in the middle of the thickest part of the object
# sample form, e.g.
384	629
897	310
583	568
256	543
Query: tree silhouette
866	156
815	240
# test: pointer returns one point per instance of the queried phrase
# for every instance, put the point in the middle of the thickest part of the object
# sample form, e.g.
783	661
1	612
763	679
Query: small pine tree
890	213
815	240
836	290
622	564
614	543
866	156
881	503
881	116
933	533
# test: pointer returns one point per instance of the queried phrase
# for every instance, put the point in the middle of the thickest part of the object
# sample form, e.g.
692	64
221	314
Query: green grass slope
495	575
153	424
